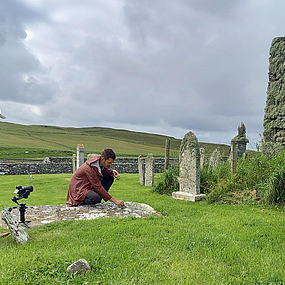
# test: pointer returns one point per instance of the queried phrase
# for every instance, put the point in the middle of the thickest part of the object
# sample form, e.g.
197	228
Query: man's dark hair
108	153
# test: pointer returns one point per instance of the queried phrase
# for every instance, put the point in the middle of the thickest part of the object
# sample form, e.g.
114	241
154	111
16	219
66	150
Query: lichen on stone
274	116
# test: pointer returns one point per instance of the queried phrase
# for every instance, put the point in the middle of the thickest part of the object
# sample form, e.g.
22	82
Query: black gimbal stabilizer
22	192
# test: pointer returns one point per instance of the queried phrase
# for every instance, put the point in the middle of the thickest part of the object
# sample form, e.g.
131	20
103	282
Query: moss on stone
274	116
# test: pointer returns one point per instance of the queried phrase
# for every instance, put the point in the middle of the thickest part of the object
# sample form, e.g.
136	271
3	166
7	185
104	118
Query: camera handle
22	208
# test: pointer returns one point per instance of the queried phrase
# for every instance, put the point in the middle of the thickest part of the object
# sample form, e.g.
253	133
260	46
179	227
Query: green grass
191	243
41	141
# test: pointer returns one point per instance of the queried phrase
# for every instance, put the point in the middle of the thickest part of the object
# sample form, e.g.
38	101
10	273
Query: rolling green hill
39	141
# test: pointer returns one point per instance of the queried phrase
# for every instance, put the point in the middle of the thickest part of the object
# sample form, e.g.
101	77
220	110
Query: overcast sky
158	66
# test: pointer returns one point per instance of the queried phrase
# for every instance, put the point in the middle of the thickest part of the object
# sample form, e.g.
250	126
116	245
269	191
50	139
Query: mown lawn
191	243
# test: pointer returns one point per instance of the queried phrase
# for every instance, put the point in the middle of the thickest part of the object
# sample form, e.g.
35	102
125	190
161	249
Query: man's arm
96	183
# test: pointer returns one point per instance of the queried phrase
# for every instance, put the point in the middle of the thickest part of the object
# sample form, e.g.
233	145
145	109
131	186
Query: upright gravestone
215	159
80	155
149	169
241	140
189	170
167	152
141	168
74	162
202	157
233	156
273	123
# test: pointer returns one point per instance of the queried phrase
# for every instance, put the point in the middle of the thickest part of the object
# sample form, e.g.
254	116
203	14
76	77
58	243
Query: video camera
22	192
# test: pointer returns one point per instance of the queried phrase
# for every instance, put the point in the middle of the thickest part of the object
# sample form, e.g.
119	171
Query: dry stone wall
52	165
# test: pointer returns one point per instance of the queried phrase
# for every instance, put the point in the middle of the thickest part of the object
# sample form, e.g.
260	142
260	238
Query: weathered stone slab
187	196
215	159
40	215
18	233
149	170
80	155
189	170
141	168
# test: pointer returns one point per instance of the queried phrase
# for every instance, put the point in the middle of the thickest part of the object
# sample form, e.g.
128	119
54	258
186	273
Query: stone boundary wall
52	165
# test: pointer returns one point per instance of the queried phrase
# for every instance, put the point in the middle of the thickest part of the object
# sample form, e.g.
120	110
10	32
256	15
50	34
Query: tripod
22	208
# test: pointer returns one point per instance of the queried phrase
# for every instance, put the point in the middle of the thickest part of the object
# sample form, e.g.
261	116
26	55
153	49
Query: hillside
39	141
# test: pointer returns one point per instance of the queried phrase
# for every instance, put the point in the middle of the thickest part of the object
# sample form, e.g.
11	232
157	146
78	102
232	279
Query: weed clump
258	179
168	181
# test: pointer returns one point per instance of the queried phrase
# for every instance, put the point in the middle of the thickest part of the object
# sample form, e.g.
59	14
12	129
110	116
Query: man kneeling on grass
92	181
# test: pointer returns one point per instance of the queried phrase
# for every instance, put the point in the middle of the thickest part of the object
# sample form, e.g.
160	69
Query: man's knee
92	198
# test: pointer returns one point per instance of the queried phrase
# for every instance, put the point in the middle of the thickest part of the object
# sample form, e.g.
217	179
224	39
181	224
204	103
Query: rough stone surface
40	215
274	118
18	233
80	155
233	157
241	140
68	165
141	168
202	157
189	169
149	170
215	159
80	266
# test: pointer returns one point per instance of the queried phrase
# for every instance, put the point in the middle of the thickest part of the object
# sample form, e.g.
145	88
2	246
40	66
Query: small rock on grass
80	266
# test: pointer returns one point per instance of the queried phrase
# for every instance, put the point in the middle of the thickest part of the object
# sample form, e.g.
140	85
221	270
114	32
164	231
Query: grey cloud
23	79
169	65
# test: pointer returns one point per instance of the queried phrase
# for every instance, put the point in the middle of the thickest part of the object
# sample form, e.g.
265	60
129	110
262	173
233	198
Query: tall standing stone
141	168
149	170
233	156
189	170
167	152
241	140
274	116
215	159
80	155
202	157
74	162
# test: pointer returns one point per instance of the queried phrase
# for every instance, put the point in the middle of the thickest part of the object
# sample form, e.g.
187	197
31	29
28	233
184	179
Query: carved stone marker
189	170
215	158
167	152
74	162
141	168
233	156
202	157
149	168
45	214
18	233
241	140
80	155
274	127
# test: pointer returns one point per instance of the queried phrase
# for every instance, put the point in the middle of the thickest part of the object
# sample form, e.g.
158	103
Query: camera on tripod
22	192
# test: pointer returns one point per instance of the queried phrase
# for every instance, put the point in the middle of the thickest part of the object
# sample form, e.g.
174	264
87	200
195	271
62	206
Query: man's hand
115	173
117	202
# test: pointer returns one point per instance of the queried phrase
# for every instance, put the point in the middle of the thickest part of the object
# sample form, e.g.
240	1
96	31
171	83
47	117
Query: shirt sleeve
93	177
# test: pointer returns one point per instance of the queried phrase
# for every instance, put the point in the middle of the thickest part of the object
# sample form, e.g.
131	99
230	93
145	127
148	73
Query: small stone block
187	196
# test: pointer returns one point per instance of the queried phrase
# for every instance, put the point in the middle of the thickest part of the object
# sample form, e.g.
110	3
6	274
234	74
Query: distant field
38	141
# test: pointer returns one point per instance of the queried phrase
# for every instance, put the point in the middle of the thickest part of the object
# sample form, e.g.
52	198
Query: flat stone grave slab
40	215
